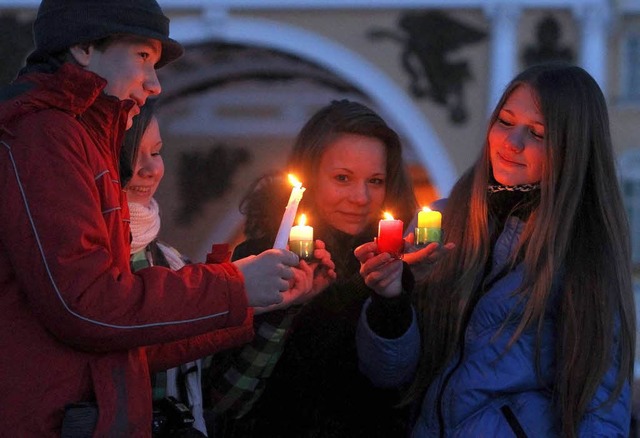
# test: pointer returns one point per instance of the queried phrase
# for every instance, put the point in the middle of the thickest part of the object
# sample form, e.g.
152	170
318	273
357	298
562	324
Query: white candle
302	231
289	214
301	239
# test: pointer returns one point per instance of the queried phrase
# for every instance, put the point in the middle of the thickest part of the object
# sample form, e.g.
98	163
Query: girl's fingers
364	251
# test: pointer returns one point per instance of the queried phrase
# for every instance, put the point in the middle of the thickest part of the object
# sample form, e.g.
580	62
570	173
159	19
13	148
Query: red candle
390	236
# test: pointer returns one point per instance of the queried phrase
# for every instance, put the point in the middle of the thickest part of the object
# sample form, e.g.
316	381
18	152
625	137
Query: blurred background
255	70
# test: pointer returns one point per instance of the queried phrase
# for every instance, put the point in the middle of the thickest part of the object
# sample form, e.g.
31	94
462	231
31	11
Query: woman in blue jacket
526	327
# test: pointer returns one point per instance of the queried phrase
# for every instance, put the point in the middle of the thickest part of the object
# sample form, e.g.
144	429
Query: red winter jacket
73	318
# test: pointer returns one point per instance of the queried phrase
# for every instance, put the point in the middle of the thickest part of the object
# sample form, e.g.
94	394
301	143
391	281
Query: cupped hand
309	279
324	269
422	259
381	272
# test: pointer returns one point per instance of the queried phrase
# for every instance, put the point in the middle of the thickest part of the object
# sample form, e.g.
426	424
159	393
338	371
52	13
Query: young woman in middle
299	377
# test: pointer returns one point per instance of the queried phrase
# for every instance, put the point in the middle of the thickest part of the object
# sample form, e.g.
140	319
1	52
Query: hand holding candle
390	236
289	213
428	229
301	239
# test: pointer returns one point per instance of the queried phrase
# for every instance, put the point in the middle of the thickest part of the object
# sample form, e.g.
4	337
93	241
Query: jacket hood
70	88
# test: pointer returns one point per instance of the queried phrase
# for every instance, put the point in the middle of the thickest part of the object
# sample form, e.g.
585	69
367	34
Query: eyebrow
347	170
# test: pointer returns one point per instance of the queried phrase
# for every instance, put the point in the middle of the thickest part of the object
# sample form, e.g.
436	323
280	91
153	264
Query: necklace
494	188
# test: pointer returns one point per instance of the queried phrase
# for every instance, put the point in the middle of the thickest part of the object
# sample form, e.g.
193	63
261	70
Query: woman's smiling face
148	169
350	184
516	140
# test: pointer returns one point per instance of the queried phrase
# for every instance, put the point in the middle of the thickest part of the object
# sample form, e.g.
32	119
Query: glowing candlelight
289	213
301	239
390	236
428	229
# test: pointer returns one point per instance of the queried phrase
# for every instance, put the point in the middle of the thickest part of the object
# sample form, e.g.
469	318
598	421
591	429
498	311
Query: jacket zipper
514	424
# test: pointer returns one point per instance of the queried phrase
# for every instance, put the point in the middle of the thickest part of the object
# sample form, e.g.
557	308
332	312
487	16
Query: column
593	19
504	17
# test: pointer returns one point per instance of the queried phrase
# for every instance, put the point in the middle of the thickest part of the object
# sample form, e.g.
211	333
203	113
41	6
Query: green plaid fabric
237	378
140	260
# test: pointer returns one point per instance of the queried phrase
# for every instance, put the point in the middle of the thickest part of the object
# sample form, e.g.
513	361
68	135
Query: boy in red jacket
74	317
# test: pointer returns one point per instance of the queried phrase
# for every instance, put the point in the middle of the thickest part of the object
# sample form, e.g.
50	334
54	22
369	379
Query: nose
515	139
148	167
151	83
360	194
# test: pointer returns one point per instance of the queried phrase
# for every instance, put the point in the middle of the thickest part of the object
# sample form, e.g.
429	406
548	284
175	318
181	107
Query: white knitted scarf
145	224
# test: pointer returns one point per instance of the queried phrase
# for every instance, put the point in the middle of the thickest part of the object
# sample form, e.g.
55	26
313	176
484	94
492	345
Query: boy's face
128	65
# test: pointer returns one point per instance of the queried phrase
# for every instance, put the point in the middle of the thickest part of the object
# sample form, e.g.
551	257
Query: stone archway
391	99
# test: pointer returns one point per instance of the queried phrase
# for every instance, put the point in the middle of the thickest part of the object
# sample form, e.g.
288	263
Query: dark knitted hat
61	24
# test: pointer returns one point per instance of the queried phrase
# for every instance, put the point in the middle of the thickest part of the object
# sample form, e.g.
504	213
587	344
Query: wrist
390	317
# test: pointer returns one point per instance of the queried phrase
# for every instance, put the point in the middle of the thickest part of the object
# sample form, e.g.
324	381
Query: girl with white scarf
141	160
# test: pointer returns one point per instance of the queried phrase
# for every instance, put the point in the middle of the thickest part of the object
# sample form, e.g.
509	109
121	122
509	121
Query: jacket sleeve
388	363
164	356
73	272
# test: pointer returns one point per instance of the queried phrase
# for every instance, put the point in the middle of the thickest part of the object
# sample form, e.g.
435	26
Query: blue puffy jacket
488	390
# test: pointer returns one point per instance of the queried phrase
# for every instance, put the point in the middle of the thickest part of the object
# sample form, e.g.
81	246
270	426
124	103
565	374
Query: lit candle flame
302	220
294	181
426	209
388	216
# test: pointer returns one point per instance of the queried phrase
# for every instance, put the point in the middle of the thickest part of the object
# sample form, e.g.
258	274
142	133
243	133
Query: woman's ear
82	53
